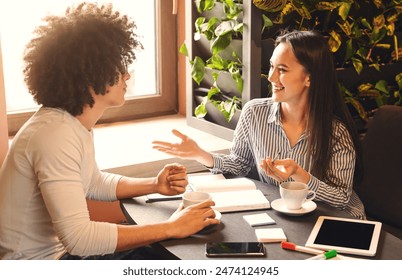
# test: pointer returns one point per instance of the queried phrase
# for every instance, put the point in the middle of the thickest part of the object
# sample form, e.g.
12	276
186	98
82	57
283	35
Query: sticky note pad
259	219
269	235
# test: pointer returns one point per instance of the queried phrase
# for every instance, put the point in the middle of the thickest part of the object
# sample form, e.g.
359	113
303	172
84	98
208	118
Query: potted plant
217	70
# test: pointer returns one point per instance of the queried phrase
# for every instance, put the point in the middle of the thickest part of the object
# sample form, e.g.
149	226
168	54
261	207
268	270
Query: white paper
261	219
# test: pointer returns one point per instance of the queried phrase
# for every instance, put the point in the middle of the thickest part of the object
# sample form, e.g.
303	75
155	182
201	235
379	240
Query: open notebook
229	195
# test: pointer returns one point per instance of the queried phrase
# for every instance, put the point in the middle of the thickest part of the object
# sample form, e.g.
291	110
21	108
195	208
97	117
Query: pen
277	156
294	247
326	256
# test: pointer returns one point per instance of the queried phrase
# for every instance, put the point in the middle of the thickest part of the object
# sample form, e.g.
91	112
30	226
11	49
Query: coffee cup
295	194
190	198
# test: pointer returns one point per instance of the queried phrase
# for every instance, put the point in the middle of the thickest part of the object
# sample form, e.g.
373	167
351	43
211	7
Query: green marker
326	256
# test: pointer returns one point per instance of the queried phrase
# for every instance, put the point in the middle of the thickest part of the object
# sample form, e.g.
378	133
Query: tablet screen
351	236
345	234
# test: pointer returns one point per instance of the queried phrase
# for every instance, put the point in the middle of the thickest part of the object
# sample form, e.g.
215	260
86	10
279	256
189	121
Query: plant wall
365	37
218	29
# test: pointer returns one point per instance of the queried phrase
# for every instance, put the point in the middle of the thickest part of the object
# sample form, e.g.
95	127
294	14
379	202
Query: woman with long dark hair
303	132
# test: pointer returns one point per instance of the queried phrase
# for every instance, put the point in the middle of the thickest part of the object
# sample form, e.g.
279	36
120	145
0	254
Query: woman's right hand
186	149
192	219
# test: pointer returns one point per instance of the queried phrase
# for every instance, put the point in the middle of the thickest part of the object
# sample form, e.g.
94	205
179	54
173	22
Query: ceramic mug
295	194
190	198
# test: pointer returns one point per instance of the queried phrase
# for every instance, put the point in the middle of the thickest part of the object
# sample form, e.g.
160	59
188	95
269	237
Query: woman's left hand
281	169
172	180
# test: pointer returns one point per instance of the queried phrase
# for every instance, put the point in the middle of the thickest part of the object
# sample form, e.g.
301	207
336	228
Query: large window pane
16	36
154	74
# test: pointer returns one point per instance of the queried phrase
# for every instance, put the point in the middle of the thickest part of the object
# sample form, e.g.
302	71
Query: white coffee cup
295	194
190	198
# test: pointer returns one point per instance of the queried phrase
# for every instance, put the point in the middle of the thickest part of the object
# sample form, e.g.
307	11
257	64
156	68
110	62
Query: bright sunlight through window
18	19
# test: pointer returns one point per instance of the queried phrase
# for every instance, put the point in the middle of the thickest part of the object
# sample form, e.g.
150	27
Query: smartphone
234	249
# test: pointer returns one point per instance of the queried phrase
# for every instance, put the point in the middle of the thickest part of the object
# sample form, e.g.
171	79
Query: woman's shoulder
264	103
340	131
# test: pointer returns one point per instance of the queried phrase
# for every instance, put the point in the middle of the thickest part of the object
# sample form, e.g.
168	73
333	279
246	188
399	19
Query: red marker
294	247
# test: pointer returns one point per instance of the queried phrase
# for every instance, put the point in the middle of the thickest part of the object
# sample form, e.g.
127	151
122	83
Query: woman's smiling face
289	79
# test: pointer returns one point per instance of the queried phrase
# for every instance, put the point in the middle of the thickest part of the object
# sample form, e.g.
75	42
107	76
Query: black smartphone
234	249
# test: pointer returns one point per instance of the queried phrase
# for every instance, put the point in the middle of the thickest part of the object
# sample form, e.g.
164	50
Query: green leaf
220	43
211	24
379	22
349	49
199	24
204	5
303	12
378	35
198	70
362	52
358	65
376	66
326	6
346	27
334	41
267	23
238	28
366	24
225	27
200	111
358	106
237	77
364	87
344	10
356	31
213	91
398	97
228	108
215	76
183	49
217	62
398	79
382	86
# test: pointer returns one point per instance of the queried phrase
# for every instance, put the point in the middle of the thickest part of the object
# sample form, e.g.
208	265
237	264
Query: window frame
163	102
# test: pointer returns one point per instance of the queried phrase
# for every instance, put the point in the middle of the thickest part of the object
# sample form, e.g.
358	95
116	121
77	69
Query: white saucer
307	207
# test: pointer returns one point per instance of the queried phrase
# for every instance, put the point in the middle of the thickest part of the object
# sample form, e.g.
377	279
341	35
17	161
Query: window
152	87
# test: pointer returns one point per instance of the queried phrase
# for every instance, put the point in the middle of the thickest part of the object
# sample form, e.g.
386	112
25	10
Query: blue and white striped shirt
259	134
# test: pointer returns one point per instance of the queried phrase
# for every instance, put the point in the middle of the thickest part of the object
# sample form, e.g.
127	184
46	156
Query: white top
46	177
259	134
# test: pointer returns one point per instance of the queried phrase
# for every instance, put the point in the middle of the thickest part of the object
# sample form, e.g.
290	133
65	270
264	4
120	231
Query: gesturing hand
283	169
280	170
186	149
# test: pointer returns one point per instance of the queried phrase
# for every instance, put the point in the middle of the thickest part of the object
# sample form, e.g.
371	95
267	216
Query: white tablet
350	236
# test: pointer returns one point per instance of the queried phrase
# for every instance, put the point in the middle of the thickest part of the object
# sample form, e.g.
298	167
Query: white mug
190	198
295	194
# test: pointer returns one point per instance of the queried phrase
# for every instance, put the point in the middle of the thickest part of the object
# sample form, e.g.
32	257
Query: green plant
219	32
360	34
225	104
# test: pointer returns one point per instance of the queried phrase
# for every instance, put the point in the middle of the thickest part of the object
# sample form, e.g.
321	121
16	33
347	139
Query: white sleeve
56	158
103	185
